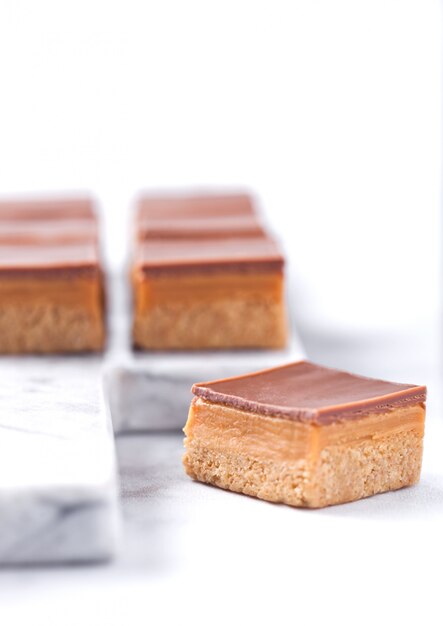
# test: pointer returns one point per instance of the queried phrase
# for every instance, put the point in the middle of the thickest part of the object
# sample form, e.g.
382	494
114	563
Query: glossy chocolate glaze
53	236
47	209
198	205
199	227
190	255
311	393
21	260
47	232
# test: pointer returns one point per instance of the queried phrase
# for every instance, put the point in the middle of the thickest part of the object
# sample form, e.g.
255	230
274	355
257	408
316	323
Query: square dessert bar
47	209
195	206
209	293
51	281
191	227
48	231
305	435
195	216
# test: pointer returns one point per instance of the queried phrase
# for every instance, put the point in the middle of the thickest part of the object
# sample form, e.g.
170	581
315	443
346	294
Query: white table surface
196	554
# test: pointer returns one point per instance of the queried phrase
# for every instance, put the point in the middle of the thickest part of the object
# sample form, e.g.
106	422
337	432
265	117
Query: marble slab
151	391
182	538
58	487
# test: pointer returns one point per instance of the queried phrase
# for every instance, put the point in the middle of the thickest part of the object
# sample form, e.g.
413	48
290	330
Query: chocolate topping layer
201	205
47	209
48	232
307	392
200	227
48	236
36	259
187	255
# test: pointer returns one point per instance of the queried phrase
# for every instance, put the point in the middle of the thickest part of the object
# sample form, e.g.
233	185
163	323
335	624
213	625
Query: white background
331	111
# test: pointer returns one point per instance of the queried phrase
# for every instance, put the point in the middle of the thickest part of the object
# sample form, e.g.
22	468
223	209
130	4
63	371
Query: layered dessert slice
195	206
209	293
47	209
223	226
305	435
51	281
48	231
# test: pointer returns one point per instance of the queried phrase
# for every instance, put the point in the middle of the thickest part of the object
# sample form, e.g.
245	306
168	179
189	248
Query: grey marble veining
58	488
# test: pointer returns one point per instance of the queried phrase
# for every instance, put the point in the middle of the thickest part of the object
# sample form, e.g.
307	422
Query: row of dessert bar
51	284
206	274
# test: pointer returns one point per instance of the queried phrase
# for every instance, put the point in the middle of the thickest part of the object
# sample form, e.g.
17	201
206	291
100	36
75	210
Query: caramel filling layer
154	290
81	291
280	440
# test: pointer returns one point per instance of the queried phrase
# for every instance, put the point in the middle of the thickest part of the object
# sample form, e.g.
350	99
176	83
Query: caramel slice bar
47	208
305	435
47	231
209	293
51	299
199	227
51	282
195	205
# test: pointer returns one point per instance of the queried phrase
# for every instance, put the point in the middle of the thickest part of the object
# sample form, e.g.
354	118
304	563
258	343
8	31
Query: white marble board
58	487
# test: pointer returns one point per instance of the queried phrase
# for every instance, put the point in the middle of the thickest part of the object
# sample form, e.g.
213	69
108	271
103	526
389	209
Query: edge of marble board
152	391
47	522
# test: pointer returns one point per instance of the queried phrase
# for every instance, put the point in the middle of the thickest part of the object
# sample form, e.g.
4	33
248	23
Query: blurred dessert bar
51	281
197	216
199	227
47	209
199	205
206	275
305	435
